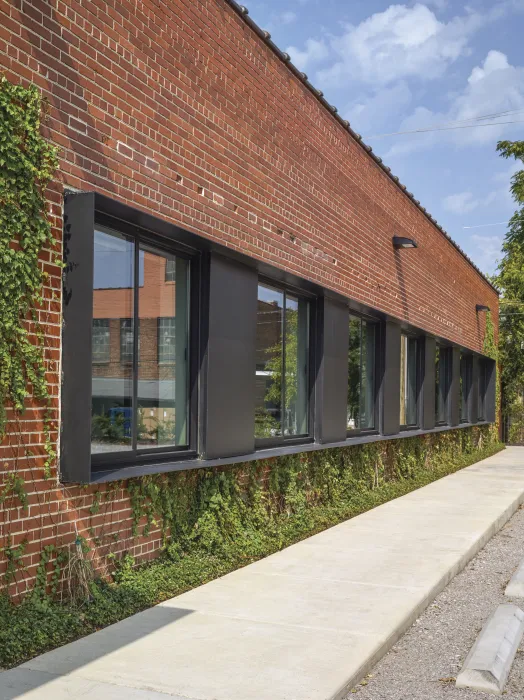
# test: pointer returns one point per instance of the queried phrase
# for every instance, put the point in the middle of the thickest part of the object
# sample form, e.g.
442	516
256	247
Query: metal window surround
215	337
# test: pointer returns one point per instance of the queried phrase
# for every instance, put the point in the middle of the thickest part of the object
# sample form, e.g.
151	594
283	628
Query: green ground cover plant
217	520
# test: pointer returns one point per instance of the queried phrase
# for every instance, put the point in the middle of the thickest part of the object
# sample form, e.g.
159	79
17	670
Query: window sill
122	473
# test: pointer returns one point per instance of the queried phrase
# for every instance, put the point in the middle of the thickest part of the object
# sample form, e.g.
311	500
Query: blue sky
399	67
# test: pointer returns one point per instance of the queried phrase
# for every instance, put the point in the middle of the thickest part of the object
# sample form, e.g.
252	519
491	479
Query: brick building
236	286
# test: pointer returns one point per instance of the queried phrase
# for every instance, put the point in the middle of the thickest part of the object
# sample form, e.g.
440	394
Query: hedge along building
235	284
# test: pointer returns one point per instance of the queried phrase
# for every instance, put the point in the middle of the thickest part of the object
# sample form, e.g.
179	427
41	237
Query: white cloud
439	4
373	112
493	87
287	17
400	42
460	203
315	51
485	251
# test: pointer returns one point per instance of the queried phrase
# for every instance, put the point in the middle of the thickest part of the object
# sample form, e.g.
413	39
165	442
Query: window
170	270
166	340
126	340
408	381
141	402
465	386
282	364
361	384
483	387
101	344
442	384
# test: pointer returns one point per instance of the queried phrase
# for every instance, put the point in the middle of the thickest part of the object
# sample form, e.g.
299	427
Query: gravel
424	663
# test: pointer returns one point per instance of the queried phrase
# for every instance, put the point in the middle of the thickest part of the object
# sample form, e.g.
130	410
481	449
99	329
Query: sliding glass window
282	365
465	385
140	346
483	386
361	384
408	381
442	383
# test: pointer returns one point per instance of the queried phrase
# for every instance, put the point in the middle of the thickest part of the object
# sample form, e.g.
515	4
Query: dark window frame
446	352
77	465
419	366
468	357
281	440
377	364
160	453
482	389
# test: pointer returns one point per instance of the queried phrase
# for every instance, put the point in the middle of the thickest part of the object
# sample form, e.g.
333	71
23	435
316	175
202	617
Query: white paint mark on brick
218	199
124	150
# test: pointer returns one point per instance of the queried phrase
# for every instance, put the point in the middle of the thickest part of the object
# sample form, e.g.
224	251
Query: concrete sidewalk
304	624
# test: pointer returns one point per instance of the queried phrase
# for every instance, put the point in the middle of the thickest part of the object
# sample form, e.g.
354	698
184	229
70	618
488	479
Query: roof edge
243	12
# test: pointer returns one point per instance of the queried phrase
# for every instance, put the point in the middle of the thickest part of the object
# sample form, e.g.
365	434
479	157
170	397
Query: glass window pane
408	380
482	389
442	378
465	385
353	421
367	377
297	367
269	358
112	383
163	311
101	347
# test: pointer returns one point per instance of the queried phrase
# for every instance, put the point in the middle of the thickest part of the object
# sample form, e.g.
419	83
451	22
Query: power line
457	125
482	117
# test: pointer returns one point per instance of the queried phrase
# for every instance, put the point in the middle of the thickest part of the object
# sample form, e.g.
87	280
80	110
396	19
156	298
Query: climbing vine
27	165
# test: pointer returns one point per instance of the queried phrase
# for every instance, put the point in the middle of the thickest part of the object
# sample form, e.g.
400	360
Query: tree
510	280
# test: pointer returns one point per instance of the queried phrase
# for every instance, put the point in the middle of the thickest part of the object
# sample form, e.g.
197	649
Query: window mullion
134	402
283	374
360	382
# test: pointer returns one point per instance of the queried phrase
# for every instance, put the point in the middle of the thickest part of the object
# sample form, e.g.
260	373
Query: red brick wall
178	108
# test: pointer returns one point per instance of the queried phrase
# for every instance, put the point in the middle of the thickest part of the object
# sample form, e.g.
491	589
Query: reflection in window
442	383
361	387
160	386
282	364
126	340
162	363
408	381
170	270
465	385
483	385
166	340
112	382
101	346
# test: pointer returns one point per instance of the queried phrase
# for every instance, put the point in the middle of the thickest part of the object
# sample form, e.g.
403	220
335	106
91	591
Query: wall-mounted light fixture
401	242
482	307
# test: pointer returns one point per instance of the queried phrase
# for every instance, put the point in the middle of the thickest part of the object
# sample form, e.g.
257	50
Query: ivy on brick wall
27	165
216	520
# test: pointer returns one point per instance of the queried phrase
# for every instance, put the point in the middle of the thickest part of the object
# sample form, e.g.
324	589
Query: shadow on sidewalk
44	669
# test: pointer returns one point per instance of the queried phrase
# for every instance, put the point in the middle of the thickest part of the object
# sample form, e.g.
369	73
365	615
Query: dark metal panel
454	389
428	383
332	376
230	360
391	379
491	390
473	404
75	446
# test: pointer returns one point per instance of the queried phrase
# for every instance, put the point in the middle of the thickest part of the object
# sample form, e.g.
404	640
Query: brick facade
178	108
